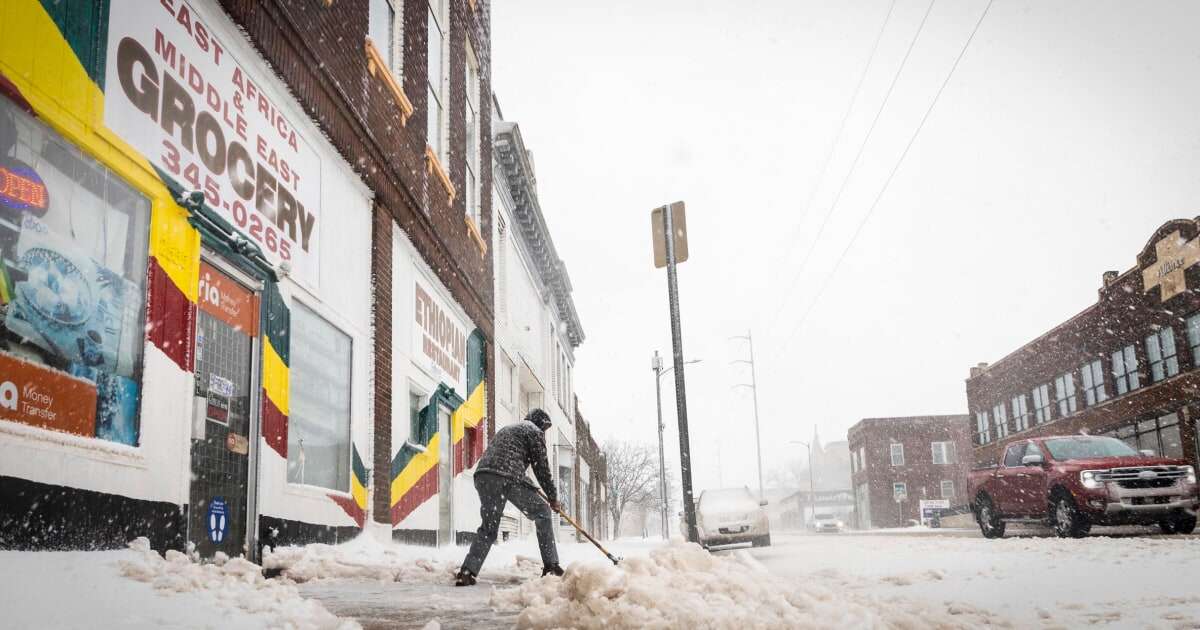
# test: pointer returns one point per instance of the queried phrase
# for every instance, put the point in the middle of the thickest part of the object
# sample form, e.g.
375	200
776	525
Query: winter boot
464	578
553	569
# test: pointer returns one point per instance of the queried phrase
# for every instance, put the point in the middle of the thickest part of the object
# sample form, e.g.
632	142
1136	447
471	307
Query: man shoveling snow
500	478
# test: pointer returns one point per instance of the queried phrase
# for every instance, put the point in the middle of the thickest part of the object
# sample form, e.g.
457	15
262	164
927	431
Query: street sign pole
685	455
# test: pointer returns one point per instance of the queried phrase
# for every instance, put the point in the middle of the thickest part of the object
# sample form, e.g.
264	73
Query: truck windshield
1066	449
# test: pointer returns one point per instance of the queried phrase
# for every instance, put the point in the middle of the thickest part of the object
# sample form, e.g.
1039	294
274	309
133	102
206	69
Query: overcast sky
1067	135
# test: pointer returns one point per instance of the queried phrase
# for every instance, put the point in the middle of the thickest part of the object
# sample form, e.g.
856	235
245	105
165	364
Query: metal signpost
671	242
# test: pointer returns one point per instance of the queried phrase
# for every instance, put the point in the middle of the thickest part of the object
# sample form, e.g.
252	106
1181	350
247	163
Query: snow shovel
581	530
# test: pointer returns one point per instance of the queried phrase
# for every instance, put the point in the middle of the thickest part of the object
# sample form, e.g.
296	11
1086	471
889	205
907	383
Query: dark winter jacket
514	448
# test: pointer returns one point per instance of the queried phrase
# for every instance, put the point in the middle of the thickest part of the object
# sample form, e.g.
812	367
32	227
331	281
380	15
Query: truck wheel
1183	524
989	520
761	541
1067	519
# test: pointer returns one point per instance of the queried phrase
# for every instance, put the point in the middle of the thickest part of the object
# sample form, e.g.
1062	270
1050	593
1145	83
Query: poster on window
215	123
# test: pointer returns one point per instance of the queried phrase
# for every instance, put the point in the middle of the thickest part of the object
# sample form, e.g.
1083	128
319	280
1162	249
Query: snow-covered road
1032	581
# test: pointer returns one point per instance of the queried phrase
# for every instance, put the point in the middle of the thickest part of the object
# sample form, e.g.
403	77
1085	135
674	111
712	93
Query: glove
555	506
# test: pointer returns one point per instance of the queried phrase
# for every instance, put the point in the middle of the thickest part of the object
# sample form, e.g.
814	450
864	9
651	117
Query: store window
1193	335
897	454
565	483
1020	411
319	417
1160	435
1160	352
1125	369
1093	383
1041	403
73	254
1064	390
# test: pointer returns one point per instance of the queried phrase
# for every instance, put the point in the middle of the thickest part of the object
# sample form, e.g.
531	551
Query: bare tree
651	506
632	475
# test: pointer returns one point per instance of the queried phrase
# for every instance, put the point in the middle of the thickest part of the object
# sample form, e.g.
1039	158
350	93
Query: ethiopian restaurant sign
214	123
439	338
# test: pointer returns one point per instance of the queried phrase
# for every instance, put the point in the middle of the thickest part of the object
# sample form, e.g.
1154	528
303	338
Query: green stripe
360	471
84	24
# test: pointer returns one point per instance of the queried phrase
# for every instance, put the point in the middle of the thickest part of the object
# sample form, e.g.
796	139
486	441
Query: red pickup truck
1072	482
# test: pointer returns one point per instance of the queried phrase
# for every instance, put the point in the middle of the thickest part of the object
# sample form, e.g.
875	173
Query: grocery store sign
176	93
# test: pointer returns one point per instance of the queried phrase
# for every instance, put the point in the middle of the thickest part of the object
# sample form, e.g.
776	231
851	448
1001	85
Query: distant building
591	504
897	462
1126	366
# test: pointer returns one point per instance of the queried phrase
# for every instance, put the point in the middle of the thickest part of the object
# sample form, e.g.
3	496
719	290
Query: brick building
897	462
591	471
1125	366
292	200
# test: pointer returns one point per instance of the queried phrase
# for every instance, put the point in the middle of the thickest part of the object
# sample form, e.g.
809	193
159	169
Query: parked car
731	516
826	524
1073	482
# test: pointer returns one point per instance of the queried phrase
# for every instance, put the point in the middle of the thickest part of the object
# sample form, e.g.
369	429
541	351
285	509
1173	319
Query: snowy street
1029	579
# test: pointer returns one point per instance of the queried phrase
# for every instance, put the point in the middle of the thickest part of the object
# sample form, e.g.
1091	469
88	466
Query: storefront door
445	478
225	414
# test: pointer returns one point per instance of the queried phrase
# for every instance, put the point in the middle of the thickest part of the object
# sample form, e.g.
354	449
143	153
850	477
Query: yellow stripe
39	61
471	412
358	492
275	377
420	464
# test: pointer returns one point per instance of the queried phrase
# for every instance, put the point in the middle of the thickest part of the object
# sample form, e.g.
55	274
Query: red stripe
351	508
274	426
421	492
170	318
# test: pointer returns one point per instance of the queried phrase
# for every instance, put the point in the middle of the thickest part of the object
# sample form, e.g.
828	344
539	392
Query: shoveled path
399	605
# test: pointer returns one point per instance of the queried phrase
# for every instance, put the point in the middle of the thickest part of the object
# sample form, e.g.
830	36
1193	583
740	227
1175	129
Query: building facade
537	326
591	472
896	463
186	288
247	282
1126	366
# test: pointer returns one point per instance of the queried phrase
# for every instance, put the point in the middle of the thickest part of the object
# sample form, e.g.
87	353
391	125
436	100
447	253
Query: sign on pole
658	232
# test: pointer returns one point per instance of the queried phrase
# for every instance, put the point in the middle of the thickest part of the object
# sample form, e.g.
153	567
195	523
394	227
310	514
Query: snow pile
233	583
682	585
365	558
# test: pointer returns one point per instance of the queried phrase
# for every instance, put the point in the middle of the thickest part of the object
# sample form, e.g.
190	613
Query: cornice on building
513	161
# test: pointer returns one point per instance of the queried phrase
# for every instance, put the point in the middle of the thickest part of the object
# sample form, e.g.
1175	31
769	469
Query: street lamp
656	364
812	495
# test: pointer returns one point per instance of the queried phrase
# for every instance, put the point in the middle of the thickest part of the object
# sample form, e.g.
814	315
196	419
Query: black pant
494	492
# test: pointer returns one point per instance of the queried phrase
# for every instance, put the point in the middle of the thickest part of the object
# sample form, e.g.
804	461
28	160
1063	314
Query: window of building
947	489
501	255
1064	390
853	461
474	136
74	238
319	403
944	453
1125	369
1193	335
1160	352
897	454
422	423
1093	383
1000	420
1160	435
1041	403
983	428
439	22
862	458
1020	411
565	484
899	491
387	32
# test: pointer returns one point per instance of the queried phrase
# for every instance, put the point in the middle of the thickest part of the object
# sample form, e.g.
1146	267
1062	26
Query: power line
842	126
888	181
854	165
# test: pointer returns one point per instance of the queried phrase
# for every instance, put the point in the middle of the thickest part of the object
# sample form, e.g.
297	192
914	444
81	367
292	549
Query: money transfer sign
214	122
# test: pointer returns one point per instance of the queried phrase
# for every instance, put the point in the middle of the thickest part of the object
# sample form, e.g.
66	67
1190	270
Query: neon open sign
22	189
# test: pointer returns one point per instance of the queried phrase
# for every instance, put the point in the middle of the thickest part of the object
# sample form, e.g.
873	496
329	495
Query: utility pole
812	494
673	235
754	386
656	364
